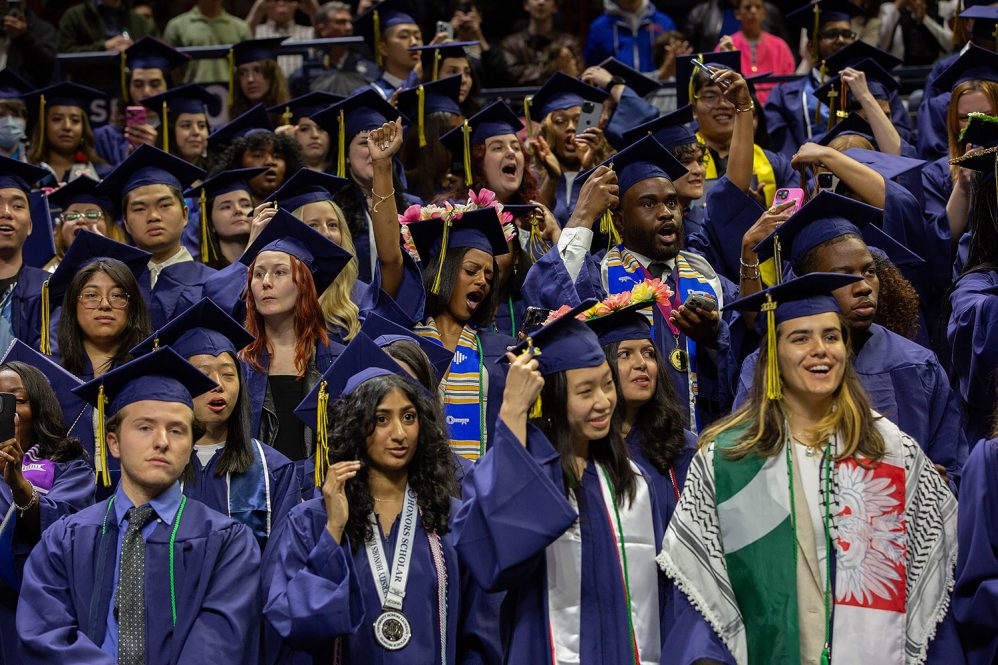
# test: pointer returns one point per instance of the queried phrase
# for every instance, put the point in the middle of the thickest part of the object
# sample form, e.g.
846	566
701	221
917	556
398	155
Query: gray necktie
656	268
131	589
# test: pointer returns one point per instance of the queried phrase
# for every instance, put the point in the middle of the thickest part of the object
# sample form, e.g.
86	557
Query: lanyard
392	582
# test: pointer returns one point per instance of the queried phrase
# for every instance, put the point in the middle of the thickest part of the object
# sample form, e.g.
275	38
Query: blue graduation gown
111	144
68	588
905	384
565	198
972	336
514	506
975	595
933	141
316	590
632	110
26	305
662	482
283	488
509	316
72	489
937	188
175	285
730	213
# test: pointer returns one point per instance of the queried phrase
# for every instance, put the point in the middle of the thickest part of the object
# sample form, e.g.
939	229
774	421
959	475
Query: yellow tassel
341	147
286	116
527	101
41	115
321	436
46	345
773	387
778	258
232	77
155	344
206	247
122	67
536	411
607	226
435	289
437	57
817	24
466	131
103	473
421	96
378	59
166	127
693	74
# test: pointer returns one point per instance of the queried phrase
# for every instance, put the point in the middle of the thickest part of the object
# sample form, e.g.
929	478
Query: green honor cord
623	560
481	396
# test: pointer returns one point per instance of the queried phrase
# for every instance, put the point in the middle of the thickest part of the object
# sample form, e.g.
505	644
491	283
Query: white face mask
11	131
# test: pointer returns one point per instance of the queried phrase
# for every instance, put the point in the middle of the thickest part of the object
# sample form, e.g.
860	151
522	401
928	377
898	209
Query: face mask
11	132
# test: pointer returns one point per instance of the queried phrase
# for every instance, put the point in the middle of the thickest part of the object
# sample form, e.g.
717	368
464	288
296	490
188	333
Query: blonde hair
338	308
843	142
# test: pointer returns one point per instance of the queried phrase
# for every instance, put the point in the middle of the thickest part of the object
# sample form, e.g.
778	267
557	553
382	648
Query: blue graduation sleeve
730	213
631	111
111	144
784	117
691	641
972	333
26	305
548	284
933	142
975	596
176	284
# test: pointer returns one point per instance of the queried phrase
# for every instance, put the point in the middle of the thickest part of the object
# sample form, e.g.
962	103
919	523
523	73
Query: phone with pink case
785	194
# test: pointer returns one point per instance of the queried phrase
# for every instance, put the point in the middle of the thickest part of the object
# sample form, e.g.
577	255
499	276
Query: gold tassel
778	257
773	387
527	101
206	247
435	289
832	113
378	59
155	344
41	116
606	226
437	57
341	148
817	25
122	67
321	436
166	128
536	409
286	116
693	73
466	131
230	57
46	344
103	473
421	96
843	96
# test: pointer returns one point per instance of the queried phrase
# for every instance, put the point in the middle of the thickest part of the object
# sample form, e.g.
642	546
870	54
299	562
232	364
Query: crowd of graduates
399	376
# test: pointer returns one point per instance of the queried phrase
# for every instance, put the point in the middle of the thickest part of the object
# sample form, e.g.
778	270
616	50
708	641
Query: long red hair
310	324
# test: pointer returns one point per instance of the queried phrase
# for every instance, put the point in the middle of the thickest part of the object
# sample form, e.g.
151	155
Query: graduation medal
679	358
391	629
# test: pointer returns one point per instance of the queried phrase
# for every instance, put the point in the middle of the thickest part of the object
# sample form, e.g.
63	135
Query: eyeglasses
93	299
832	35
711	98
92	215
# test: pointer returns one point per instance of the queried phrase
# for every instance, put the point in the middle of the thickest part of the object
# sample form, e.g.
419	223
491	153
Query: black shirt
288	392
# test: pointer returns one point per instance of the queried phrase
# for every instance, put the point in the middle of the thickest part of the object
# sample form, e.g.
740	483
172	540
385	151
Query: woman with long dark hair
434	110
807	508
230	471
388	488
255	77
45	473
183	116
225	216
62	140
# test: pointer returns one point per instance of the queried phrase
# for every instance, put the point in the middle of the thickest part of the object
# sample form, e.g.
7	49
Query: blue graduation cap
476	229
819	12
853	124
976	64
306	186
251	121
39	246
13	86
496	119
835	92
981	130
384	332
305	106
646	158
63	383
564	343
689	79
373	23
361	360
252	50
203	328
985	21
562	91
363	111
148	165
82	189
65	93
220	183
189	98
858	51
889	166
441	96
286	233
161	376
519	210
149	53
19	175
433	54
642	85
670	130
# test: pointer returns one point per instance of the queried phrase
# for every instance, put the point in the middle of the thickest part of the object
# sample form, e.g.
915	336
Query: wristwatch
615	81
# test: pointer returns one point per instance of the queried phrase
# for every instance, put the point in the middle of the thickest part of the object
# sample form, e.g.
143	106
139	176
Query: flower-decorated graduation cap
306	186
224	182
247	51
149	53
65	93
63	383
202	329
434	54
439	96
808	295
560	92
189	98
384	332
475	229
689	79
19	175
305	106
373	23
670	130
975	64
361	360
148	165
642	85
981	131
161	376
496	119
361	112
286	233
622	316
252	121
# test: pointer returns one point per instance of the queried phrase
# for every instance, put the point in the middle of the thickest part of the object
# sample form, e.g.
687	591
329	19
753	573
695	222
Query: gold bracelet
381	199
750	107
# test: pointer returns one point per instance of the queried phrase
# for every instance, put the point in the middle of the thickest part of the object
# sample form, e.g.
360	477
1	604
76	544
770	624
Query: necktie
131	589
656	268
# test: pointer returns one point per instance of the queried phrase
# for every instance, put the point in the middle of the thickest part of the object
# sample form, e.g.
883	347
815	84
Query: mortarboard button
148	165
201	329
306	186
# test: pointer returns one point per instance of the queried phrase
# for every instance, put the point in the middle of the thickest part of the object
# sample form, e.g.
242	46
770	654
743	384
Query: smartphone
702	301
589	118
828	181
8	406
534	318
707	71
445	26
785	194
14	8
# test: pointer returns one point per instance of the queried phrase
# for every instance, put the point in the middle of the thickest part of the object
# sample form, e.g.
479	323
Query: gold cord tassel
206	247
286	117
778	258
166	128
122	66
435	289
527	101
378	59
437	57
41	116
693	74
103	474
466	132
421	97
607	226
46	344
230	57
773	387
536	409
321	436
341	148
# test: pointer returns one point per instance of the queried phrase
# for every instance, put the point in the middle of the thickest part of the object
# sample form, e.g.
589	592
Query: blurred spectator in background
100	25
709	21
276	18
914	31
488	62
668	45
146	9
206	24
524	50
339	69
27	44
761	52
626	30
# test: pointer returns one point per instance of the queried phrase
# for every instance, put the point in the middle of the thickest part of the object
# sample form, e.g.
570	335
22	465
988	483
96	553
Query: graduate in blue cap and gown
150	185
460	272
435	110
145	72
80	208
558	516
218	237
147	575
391	30
316	149
254	75
46	474
231	472
628	89
184	114
647	215
811	530
386	509
904	380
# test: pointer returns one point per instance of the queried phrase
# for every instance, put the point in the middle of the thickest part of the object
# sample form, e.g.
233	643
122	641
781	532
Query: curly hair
48	426
431	471
897	305
284	147
660	421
